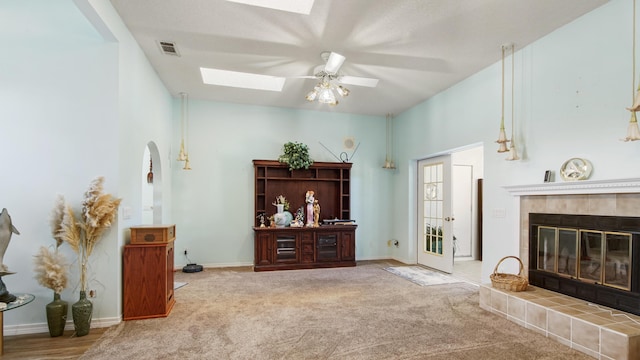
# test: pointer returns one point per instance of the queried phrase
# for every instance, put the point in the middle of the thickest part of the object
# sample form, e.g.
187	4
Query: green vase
82	311
57	315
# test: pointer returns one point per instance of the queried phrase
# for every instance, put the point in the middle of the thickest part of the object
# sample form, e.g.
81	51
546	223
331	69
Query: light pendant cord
513	131
502	116
633	80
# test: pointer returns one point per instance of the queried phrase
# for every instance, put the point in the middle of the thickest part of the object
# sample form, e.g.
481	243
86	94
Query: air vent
168	48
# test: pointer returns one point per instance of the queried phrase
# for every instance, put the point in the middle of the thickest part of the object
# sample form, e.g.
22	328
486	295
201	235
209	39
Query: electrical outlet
93	293
396	243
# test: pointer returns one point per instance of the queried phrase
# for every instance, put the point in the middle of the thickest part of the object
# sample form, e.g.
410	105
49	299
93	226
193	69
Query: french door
435	239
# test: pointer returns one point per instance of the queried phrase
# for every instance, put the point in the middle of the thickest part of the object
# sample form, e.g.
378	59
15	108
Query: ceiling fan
331	79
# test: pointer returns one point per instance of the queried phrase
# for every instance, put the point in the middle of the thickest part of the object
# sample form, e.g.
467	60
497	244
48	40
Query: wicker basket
509	282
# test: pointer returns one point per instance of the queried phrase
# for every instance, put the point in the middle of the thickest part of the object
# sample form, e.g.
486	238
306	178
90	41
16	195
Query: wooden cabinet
148	280
307	247
330	183
304	248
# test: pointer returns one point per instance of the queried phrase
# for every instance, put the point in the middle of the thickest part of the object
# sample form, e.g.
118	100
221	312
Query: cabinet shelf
307	247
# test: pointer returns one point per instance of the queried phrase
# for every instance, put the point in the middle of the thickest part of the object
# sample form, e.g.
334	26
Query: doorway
450	212
151	183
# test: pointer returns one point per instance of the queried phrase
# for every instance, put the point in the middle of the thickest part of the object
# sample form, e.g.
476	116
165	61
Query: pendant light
502	136
513	152
150	173
388	161
181	155
633	132
187	165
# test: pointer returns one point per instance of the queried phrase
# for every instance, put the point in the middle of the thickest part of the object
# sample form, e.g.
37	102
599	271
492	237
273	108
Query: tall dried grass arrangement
51	267
97	214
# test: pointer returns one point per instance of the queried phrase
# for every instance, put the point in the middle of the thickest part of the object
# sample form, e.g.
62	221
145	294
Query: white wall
572	88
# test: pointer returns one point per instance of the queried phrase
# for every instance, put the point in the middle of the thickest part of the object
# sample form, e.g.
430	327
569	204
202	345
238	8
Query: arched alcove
151	185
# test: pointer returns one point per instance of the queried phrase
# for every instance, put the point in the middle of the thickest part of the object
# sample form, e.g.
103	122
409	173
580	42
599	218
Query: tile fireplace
588	257
601	257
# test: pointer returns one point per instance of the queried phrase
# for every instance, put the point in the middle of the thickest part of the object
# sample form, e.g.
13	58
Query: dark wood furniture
305	247
148	276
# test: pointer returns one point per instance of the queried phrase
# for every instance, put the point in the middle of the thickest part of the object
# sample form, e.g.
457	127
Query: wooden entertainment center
285	248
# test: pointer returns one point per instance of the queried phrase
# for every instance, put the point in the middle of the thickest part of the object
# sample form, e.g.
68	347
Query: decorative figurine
309	199
6	230
261	217
299	219
316	213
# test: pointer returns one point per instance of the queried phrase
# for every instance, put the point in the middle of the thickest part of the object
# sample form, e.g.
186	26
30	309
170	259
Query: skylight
241	79
295	6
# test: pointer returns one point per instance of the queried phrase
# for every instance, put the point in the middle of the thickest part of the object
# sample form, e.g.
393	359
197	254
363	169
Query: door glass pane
432	205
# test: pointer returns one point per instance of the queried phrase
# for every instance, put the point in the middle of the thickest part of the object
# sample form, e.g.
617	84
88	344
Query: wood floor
42	346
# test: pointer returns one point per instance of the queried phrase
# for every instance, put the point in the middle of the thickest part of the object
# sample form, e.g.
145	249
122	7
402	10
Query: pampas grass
51	269
98	212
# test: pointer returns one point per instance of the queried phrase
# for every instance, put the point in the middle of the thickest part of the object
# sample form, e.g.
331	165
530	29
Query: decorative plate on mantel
576	169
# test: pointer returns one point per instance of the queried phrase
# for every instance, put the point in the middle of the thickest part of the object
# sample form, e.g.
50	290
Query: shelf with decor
279	248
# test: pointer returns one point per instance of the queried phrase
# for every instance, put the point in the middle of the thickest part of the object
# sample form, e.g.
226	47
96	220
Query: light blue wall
213	203
571	91
73	105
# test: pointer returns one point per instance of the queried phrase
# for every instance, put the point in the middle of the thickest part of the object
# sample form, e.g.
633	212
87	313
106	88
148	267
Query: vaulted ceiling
416	48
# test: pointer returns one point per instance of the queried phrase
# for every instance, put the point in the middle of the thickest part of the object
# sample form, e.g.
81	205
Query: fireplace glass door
617	269
604	257
590	256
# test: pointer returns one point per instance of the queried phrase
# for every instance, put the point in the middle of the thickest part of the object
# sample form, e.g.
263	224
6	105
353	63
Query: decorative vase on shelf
57	315
82	311
282	218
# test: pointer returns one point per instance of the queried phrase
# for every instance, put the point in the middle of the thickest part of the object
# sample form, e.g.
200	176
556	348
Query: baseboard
37	328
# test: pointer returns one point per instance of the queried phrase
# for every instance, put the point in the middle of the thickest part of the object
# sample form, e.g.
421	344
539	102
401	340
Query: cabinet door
348	245
286	248
169	270
327	246
263	249
307	247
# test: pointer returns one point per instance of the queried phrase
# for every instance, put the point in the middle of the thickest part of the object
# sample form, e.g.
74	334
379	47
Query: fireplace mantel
614	186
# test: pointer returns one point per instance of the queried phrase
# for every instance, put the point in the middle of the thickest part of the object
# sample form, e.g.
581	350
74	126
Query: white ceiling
416	48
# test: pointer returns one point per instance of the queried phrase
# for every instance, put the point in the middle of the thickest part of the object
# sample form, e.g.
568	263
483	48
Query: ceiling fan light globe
327	96
343	91
311	95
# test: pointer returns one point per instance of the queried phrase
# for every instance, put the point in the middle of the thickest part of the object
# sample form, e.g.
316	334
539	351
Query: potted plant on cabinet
296	155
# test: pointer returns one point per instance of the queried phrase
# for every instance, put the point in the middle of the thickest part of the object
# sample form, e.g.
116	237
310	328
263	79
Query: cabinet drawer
152	234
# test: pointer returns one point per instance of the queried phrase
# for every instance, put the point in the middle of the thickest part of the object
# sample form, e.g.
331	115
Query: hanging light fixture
181	154
502	136
187	165
388	161
513	152
324	92
150	173
633	132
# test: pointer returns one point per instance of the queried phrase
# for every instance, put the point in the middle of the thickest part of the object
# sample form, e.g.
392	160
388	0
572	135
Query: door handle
449	218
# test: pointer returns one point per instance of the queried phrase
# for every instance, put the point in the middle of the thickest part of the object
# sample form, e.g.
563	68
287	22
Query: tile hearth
595	330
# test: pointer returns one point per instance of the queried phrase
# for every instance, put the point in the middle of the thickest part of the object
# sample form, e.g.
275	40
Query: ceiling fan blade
334	63
358	81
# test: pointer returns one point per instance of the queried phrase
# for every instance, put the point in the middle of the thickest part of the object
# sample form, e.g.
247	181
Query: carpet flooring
361	312
421	276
